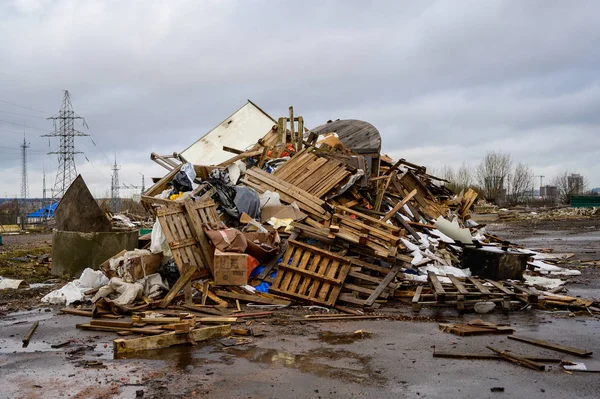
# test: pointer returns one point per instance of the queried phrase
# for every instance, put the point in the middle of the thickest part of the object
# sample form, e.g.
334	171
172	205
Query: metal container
495	263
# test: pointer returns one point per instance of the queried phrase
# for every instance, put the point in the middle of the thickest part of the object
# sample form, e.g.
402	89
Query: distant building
548	192
575	184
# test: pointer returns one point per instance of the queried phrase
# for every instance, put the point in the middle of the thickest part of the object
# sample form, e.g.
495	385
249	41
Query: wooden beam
383	285
550	345
122	347
520	360
252	298
29	334
399	205
491	356
178	286
134	330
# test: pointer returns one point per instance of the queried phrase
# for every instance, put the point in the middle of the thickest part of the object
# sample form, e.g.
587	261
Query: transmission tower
64	129
143	185
24	183
44	196
115	201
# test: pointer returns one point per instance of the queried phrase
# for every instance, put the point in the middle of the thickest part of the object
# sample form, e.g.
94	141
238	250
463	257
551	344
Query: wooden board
310	274
122	347
550	345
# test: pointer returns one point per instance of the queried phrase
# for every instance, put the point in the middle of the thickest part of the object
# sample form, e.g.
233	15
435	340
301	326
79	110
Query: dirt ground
297	358
26	257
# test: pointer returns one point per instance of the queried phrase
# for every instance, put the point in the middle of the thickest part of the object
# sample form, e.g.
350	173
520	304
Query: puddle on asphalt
183	358
337	338
324	362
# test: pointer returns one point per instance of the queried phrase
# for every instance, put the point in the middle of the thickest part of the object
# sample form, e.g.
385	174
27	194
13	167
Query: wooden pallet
198	214
308	203
365	282
315	175
310	274
181	239
464	293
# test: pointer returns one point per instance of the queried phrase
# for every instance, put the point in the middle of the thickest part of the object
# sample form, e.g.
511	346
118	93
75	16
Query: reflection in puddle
329	363
182	357
335	338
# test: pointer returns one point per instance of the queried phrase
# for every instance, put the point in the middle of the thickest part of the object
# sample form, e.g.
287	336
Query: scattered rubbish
497	389
318	218
8	283
75	290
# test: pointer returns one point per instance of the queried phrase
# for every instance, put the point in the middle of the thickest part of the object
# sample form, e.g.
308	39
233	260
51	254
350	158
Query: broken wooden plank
383	285
135	330
518	359
178	286
549	345
252	298
340	317
439	290
29	334
109	323
399	206
491	356
416	306
122	347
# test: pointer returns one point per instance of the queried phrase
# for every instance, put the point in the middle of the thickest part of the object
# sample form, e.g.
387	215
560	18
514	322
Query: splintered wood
310	274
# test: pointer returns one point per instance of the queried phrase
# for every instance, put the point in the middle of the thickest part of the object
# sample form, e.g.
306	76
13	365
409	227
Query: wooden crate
310	274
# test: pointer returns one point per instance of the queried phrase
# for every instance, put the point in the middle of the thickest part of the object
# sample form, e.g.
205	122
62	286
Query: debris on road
318	217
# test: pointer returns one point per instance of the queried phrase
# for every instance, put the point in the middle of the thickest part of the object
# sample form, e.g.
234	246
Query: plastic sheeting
74	290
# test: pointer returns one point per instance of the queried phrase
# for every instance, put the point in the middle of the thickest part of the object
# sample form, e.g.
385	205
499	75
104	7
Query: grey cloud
443	81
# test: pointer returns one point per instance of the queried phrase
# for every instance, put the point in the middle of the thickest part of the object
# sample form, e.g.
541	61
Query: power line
24	107
18	124
28	116
10	131
15	148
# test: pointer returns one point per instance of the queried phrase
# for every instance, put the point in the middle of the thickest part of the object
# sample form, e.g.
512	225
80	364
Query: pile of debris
318	217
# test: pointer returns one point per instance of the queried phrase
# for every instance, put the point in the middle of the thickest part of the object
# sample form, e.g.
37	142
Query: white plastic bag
157	238
269	198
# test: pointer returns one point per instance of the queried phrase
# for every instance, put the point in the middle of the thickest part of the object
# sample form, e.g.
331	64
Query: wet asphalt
387	359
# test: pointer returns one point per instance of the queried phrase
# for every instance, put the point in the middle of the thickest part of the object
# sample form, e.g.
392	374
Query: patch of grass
30	270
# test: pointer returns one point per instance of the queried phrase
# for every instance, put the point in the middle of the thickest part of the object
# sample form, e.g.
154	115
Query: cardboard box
266	252
281	212
231	268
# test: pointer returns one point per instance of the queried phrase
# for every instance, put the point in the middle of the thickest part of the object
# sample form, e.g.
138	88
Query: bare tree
492	173
463	178
568	184
521	182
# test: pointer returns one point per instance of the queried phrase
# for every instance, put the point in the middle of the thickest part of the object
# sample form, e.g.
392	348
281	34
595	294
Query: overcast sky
443	81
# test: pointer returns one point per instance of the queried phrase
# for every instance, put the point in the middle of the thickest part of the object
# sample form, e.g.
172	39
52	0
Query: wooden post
292	131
